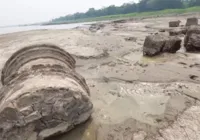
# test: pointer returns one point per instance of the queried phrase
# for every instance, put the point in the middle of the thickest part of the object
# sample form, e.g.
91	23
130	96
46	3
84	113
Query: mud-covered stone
192	39
42	95
174	23
175	32
172	45
156	44
153	45
192	21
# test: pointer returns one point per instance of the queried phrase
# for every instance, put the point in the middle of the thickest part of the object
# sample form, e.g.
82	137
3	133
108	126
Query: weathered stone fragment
192	39
42	94
156	44
192	21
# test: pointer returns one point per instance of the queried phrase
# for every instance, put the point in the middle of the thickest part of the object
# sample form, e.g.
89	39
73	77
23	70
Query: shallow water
13	29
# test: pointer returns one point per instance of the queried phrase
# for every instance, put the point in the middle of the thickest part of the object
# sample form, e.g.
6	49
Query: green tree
142	6
194	3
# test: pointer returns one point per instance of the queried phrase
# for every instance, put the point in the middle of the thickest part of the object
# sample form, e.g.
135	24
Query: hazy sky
14	12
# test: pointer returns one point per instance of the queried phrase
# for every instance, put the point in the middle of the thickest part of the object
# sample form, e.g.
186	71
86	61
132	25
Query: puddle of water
86	131
138	57
134	56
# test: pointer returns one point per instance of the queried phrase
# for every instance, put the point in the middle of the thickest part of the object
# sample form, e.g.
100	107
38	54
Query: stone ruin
174	23
192	39
192	21
42	94
159	43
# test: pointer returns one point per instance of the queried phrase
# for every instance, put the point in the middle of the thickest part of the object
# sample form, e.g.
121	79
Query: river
13	29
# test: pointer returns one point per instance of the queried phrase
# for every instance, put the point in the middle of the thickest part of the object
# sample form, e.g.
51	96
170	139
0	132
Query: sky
14	12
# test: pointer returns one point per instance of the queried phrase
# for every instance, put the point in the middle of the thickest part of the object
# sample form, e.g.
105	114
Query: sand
134	97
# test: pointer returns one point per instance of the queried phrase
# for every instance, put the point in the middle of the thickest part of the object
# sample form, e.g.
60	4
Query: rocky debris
192	21
175	32
174	23
42	95
131	39
192	39
95	27
156	44
193	77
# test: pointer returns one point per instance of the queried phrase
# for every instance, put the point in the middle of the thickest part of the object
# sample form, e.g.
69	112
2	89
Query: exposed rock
181	31
193	77
172	45
42	95
174	23
95	27
192	21
153	45
156	44
192	39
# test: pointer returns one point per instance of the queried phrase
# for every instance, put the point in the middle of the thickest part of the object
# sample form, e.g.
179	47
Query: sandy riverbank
134	97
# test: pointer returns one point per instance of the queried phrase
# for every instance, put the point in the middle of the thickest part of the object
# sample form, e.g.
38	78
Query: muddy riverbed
134	97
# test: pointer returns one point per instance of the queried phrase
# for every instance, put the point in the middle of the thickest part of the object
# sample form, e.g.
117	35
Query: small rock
131	39
193	77
174	23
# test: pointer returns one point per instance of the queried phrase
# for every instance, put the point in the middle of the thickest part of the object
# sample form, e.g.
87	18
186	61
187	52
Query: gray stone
156	44
192	39
176	32
172	45
174	23
192	21
42	95
153	45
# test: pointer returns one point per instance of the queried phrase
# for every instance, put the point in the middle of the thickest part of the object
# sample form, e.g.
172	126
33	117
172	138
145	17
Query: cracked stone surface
39	97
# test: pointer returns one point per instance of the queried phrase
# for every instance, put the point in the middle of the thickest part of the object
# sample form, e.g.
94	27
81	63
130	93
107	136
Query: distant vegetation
143	8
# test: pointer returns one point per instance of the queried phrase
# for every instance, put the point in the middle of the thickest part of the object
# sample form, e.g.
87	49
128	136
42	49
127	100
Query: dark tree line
142	6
